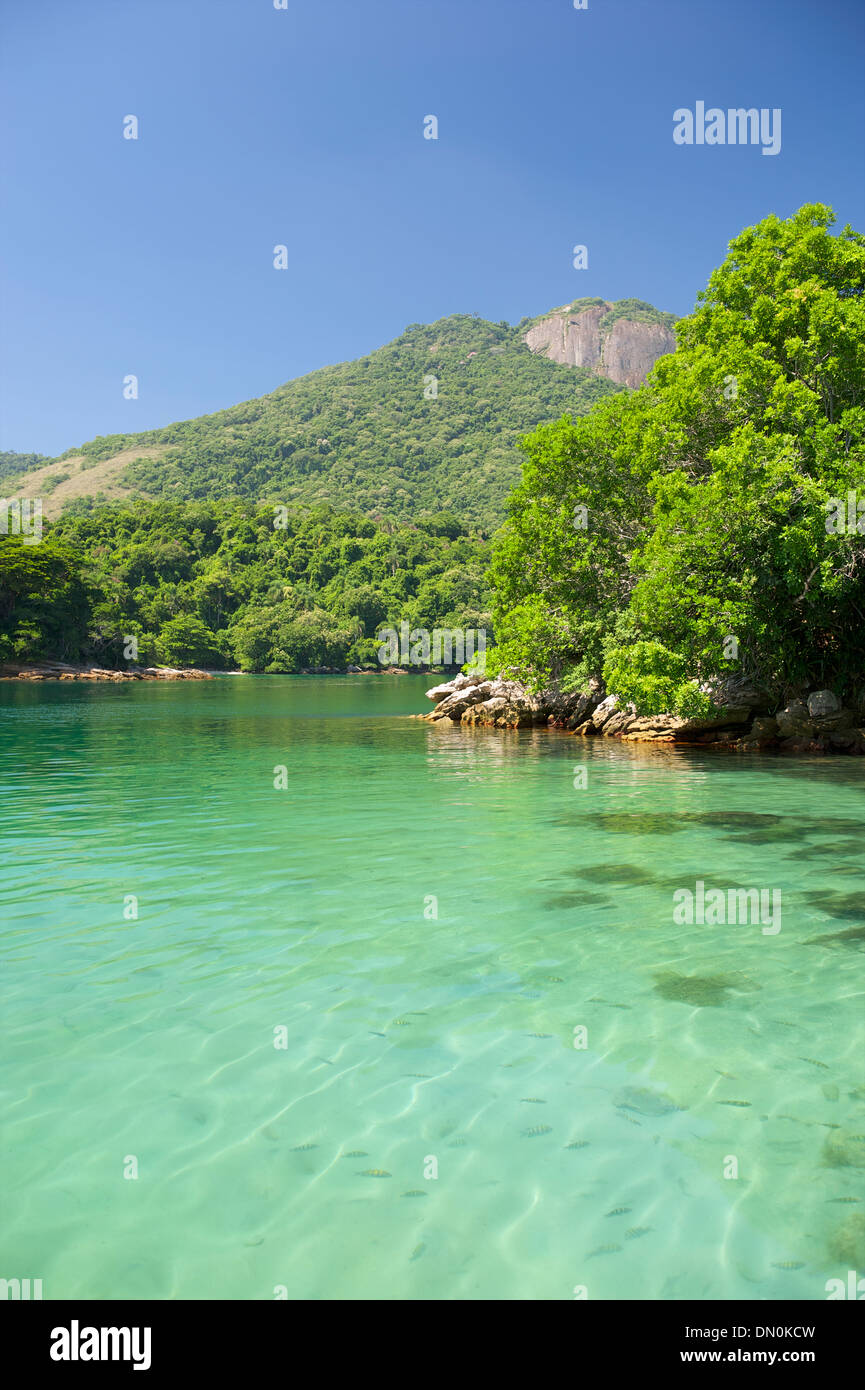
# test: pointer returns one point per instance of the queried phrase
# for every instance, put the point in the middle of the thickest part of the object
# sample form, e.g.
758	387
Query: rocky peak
613	340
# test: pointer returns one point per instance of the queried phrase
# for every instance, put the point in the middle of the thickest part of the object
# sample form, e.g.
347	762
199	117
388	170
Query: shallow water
420	1040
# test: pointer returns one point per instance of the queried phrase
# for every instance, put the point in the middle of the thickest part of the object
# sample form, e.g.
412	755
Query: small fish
417	1252
844	1199
539	1035
375	1173
619	1211
603	1250
814	1062
727	1074
554	979
258	1241
578	1144
788	1264
458	1143
531	1100
303	1148
630	1119
377	1035
325	1060
741	1103
858	1138
423	1075
535	1130
401	1023
415	1192
634	1232
419	1013
356	1153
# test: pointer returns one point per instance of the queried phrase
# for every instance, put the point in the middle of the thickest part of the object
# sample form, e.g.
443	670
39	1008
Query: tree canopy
220	584
693	529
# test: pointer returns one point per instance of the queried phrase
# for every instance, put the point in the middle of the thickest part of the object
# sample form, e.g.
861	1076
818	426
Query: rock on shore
59	671
741	721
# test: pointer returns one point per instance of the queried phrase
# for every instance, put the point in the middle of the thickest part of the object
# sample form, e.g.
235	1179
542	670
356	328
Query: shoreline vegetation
232	585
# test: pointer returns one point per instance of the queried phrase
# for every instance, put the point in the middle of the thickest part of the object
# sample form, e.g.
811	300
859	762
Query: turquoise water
425	1041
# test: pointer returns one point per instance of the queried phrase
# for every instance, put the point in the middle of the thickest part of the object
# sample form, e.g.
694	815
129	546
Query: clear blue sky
304	126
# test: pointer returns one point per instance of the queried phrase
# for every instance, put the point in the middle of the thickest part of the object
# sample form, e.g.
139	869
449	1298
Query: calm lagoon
429	953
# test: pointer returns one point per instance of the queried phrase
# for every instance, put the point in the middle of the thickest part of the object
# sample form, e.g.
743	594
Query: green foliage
636	311
44	603
706	493
54	480
186	641
286	637
654	679
562	576
217	584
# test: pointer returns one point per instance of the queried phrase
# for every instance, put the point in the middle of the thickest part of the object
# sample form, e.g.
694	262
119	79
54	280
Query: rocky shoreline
743	720
61	671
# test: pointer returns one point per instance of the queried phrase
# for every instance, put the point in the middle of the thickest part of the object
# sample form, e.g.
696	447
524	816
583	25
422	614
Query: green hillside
364	435
12	465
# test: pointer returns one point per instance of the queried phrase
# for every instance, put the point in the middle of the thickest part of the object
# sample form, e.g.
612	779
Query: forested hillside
430	422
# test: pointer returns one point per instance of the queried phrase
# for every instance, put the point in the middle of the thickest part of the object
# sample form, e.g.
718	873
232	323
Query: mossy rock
844	1150
847	1244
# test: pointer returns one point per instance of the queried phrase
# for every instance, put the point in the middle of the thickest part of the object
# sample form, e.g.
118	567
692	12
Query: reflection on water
433	952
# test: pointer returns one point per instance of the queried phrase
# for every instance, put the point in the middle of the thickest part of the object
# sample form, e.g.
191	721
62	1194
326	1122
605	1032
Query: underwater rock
704	991
615	873
841	1149
645	1101
637	822
853	936
576	900
847	1244
738	820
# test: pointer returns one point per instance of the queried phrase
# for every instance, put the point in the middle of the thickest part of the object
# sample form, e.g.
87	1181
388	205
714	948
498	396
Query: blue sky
304	127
